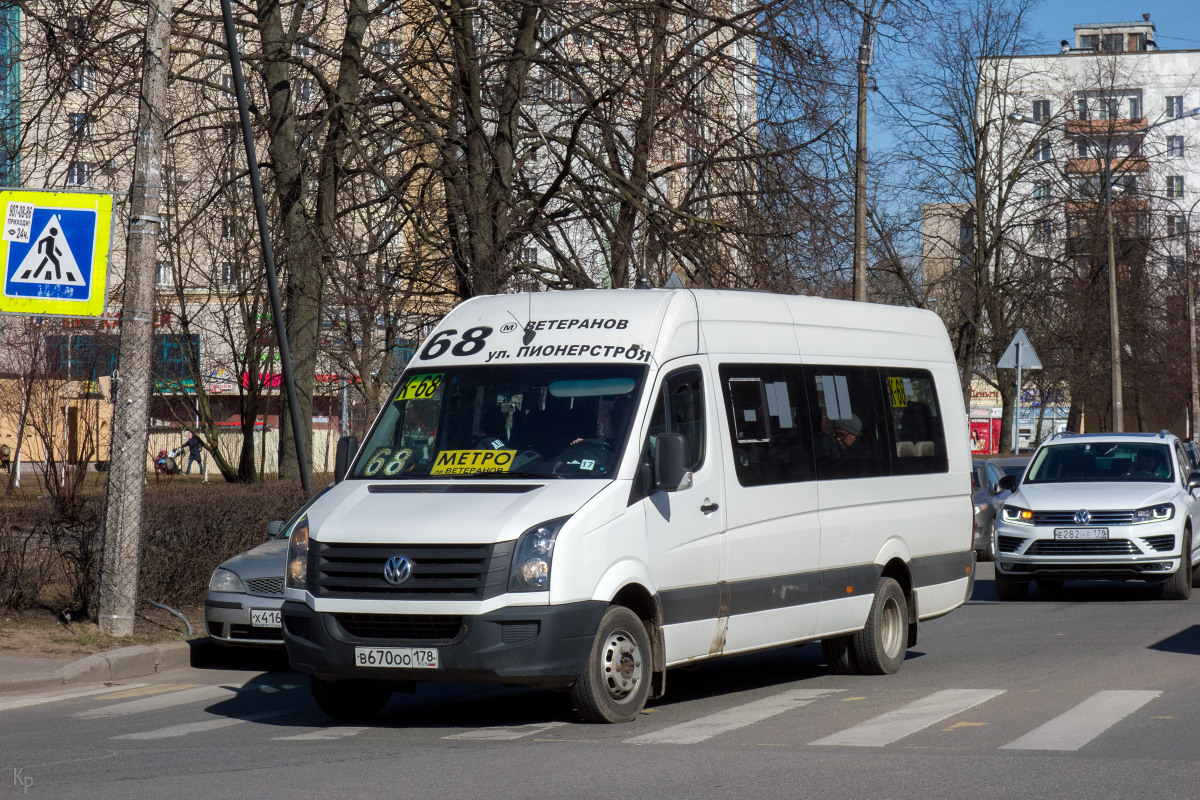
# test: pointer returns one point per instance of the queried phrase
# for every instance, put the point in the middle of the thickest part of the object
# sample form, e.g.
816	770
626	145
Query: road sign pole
1017	402
117	599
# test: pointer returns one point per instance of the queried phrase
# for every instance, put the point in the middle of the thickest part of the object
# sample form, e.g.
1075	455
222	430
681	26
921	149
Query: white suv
1110	506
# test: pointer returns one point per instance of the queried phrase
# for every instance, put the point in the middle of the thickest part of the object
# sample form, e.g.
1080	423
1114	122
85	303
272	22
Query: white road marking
1084	722
174	731
51	697
920	714
730	719
506	734
159	702
324	734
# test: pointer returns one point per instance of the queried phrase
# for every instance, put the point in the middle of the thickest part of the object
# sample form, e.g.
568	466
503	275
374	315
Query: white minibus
584	489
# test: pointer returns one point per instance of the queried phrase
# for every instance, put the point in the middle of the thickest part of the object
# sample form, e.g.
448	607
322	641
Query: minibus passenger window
768	423
918	439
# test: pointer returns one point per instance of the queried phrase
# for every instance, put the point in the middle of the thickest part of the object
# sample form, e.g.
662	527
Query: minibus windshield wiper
510	474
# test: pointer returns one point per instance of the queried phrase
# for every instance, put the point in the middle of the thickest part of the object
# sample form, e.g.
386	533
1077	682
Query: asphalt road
1093	692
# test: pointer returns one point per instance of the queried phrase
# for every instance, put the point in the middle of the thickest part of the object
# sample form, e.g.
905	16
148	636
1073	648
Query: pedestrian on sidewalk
193	446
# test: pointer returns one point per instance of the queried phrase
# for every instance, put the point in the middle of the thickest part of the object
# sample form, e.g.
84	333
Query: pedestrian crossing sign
54	247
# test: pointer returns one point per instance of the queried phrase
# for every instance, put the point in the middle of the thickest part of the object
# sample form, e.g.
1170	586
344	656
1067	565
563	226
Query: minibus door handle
708	508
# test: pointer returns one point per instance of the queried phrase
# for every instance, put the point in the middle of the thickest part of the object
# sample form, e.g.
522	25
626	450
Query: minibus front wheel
616	681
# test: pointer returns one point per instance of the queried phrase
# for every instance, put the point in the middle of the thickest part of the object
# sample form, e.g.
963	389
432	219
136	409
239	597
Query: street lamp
1113	319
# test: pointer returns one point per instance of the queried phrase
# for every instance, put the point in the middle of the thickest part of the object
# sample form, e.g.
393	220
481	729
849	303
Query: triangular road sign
1020	344
50	260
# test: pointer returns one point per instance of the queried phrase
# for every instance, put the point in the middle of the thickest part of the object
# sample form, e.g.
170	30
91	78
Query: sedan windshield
563	420
1102	461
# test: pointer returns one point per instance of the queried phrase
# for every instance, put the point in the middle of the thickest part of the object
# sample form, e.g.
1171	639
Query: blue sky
1177	22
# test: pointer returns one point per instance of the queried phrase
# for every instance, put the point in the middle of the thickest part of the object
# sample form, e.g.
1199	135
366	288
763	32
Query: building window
1174	105
1043	229
1135	108
1175	267
1041	110
1081	108
304	90
1089	41
79	172
1114	42
1110	108
1175	146
226	227
82	78
227	81
303	50
1176	225
1042	150
175	356
78	126
1174	186
162	274
1041	190
387	50
228	273
1081	149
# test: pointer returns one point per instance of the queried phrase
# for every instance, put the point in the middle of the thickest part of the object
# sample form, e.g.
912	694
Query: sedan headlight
1018	516
532	557
223	580
1154	514
296	576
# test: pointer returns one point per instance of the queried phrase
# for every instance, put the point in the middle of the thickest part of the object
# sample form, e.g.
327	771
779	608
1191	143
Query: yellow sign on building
54	247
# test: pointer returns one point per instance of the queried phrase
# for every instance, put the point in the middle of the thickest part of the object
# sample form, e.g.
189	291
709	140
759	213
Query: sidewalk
24	673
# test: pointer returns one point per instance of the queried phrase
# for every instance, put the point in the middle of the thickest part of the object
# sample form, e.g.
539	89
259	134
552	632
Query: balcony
1119	164
1120	205
1104	127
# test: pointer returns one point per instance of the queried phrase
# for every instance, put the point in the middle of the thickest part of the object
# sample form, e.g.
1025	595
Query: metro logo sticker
465	462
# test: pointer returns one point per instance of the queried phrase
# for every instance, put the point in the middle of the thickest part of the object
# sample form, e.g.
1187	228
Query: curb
123	663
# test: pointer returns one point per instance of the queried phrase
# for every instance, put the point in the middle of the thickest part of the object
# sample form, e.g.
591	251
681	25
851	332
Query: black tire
616	681
1179	585
881	645
349	700
989	550
1010	589
839	655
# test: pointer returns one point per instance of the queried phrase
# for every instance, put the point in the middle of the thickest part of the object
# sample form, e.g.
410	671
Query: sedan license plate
1081	533
401	657
265	618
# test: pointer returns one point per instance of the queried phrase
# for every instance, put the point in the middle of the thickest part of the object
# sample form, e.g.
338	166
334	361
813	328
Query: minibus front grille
438	571
410	627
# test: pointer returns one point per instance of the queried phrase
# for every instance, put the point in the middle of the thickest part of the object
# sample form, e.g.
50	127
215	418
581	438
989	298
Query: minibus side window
680	409
850	421
768	423
918	439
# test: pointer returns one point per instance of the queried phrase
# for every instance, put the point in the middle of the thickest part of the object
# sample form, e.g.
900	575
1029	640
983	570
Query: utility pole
860	160
131	412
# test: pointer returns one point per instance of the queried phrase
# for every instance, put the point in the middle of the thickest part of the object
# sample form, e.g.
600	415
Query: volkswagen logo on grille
397	570
1082	517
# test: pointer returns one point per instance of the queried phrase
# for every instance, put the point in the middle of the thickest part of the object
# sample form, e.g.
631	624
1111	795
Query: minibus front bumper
524	645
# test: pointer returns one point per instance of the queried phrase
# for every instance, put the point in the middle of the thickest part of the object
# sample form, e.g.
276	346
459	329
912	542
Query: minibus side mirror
1008	483
274	527
347	446
670	463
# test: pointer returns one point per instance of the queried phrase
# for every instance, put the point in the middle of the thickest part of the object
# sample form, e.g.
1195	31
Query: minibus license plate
1081	533
403	657
265	618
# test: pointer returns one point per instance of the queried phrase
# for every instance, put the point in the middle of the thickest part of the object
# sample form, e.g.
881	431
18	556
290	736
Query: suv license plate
1081	533
265	618
402	657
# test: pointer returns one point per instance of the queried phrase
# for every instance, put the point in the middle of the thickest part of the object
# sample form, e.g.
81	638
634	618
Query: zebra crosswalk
142	712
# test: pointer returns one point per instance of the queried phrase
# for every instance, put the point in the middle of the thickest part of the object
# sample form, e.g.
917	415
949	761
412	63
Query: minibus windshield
539	421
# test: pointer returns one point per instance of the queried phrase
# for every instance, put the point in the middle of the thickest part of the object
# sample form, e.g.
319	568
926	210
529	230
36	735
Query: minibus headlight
1154	514
1019	516
297	557
532	557
223	580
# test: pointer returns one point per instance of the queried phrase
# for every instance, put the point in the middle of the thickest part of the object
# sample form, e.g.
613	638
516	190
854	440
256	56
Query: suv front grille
271	587
417	627
1008	544
1083	547
1163	544
1123	517
439	571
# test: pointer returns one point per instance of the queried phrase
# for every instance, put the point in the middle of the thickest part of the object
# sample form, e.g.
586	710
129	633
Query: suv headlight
1154	514
532	557
1018	516
296	574
223	580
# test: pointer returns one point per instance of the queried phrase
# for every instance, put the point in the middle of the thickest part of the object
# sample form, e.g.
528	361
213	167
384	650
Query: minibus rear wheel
616	681
881	645
349	700
839	655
